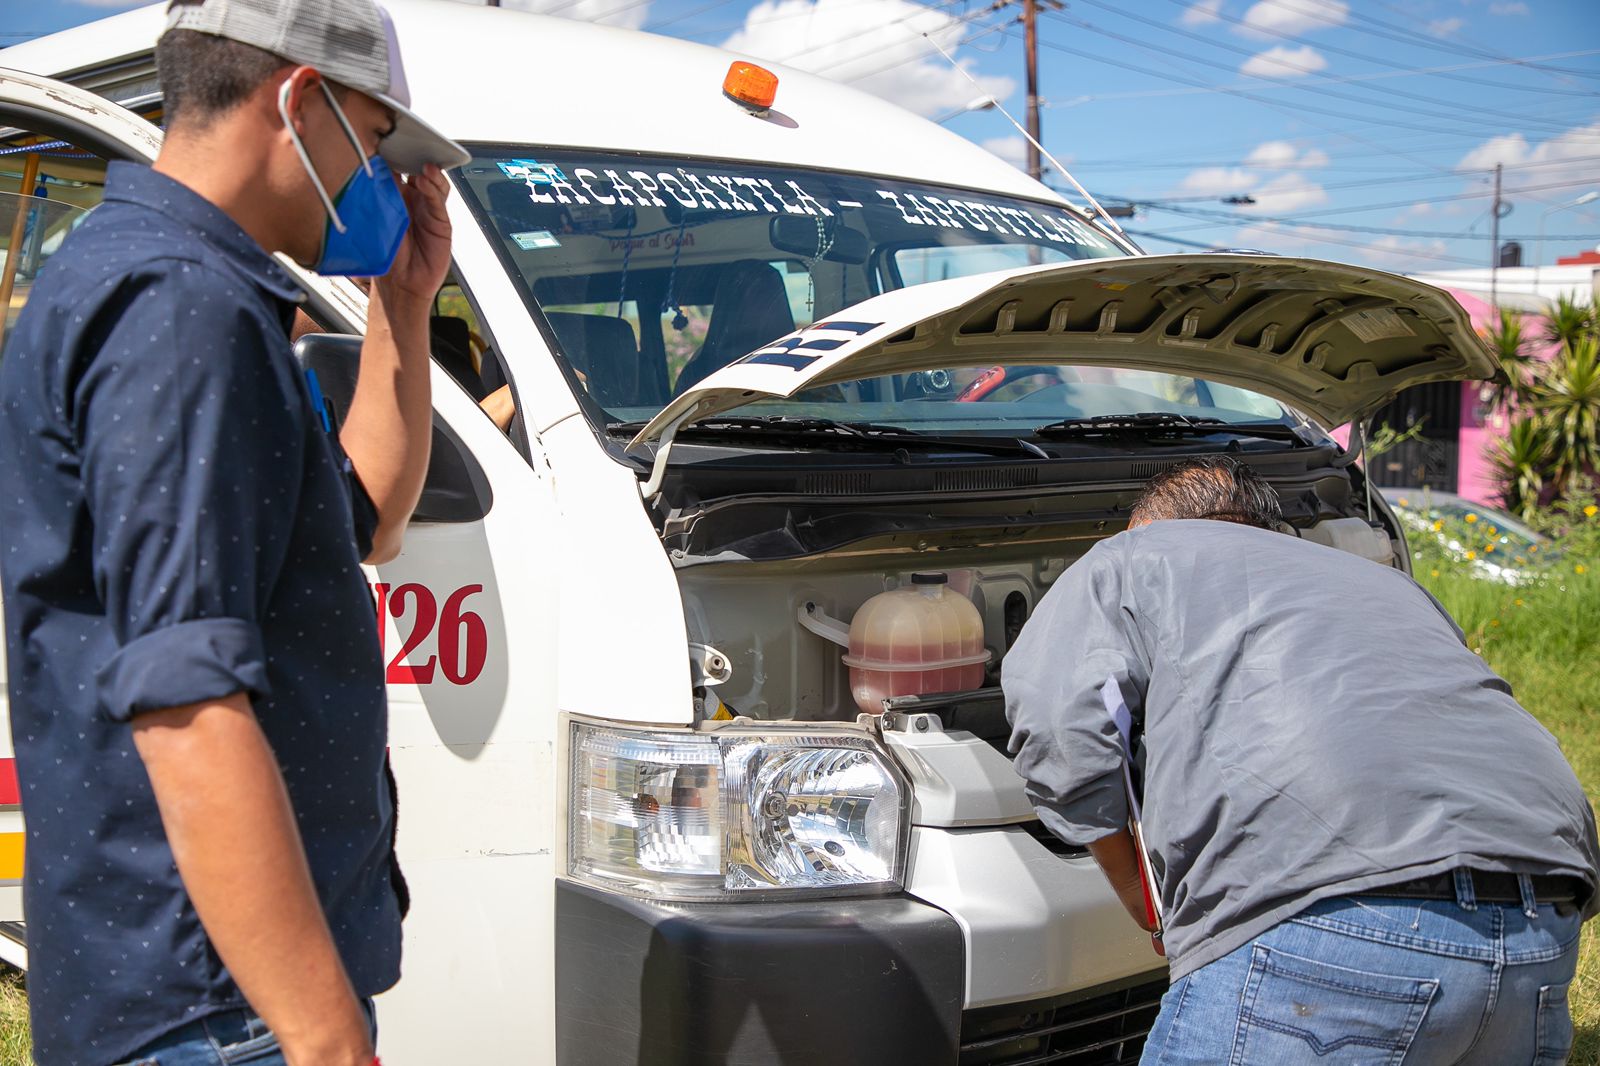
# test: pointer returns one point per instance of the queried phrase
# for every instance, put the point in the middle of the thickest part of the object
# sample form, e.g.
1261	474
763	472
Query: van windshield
655	272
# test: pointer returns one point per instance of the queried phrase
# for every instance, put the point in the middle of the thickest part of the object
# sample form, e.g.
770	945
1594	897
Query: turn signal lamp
750	86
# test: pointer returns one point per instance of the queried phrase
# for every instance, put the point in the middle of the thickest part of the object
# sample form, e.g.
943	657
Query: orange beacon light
750	86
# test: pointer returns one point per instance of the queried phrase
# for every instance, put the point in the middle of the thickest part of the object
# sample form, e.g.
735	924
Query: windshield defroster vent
982	479
837	483
960	479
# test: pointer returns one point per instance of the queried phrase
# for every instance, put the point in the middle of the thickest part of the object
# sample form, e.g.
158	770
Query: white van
767	363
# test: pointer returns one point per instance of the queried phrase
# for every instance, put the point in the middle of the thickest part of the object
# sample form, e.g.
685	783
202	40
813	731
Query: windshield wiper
1163	423
800	427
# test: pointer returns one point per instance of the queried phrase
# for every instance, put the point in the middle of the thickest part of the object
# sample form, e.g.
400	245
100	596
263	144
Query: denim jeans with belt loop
228	1038
1371	979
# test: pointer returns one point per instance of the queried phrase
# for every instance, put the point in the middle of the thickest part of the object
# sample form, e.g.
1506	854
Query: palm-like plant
1567	396
1568	321
1509	341
1518	462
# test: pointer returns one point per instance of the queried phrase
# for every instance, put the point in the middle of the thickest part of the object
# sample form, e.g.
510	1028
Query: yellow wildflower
1494	621
1590	510
1472	555
1533	547
1517	602
1580	569
1404	502
1472	518
1488	548
1438	525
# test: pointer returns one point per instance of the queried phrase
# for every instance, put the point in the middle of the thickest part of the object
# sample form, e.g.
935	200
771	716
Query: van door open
55	142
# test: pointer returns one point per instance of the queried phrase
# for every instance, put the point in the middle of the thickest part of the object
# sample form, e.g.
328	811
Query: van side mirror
456	489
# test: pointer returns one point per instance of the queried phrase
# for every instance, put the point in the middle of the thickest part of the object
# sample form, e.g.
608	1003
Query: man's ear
292	86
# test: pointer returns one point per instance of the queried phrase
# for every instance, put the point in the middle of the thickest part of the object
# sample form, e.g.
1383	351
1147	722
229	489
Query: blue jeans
1369	979
227	1038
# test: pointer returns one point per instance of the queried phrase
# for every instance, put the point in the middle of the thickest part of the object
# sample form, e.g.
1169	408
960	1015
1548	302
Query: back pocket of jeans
1302	1010
1555	1026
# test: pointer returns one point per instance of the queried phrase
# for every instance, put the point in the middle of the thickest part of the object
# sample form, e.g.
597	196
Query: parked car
1494	543
645	819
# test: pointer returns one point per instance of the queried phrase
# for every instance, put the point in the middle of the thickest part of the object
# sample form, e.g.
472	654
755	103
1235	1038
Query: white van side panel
471	744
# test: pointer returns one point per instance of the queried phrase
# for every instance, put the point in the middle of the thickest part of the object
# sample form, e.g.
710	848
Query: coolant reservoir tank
915	641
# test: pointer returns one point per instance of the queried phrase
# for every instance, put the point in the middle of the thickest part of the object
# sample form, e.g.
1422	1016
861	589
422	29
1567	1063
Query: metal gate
1432	459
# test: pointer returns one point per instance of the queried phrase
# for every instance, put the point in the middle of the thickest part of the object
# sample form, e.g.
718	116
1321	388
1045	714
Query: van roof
493	75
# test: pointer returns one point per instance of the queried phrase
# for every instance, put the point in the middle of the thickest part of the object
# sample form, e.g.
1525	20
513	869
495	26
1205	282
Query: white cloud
1201	12
1398	254
623	13
1282	155
1286	193
1275	18
1445	27
1270	174
1562	158
1283	62
876	45
1509	9
1217	181
1013	149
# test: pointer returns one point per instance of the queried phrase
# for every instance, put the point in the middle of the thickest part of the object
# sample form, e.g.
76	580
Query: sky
1359	130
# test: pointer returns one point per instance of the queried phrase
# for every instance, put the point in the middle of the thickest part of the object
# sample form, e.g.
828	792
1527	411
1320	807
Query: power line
1341	79
1410	39
1413	253
1448	115
692	13
1298	113
1345	227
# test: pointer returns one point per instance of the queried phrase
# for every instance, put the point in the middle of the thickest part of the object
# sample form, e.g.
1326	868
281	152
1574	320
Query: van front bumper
868	981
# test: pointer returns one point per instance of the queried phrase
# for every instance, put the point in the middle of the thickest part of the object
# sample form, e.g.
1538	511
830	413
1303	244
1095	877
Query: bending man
1364	848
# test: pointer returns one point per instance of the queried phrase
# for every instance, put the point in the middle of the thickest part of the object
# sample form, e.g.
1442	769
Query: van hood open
1332	340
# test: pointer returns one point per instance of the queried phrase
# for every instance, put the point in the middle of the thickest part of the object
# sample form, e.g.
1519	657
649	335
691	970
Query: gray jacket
1314	726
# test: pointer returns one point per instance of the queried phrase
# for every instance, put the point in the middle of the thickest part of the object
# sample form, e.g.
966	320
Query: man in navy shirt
196	690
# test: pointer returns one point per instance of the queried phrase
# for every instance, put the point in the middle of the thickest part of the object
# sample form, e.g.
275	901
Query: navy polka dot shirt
175	526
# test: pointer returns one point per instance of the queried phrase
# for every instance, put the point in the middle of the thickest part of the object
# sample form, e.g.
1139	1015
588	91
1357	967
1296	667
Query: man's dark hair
1213	487
204	76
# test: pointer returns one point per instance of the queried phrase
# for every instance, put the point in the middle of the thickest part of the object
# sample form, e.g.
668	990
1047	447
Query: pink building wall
1478	427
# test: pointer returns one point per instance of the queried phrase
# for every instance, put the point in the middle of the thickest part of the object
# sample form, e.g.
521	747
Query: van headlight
734	813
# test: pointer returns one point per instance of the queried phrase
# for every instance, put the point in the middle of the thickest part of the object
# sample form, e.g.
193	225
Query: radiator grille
1102	1030
1052	843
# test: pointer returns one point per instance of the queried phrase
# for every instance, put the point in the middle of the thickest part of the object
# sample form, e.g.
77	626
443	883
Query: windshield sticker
532	171
742	194
535	238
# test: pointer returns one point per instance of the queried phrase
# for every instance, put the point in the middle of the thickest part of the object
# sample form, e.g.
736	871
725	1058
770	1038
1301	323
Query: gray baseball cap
350	41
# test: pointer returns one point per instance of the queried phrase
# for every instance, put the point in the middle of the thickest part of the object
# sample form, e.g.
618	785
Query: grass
1544	638
15	1045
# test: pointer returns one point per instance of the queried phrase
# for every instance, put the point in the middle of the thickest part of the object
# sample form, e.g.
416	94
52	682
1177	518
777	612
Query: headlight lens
733	813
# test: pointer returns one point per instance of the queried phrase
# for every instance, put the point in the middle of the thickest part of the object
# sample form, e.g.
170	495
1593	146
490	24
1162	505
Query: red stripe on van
10	794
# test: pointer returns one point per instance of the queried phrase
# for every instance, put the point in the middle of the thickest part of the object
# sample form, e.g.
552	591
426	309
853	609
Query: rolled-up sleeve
1079	641
191	437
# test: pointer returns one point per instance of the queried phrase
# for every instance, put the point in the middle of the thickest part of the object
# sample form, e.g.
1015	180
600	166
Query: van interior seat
603	349
750	308
450	338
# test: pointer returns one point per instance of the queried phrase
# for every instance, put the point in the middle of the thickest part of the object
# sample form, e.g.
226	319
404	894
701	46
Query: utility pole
1030	45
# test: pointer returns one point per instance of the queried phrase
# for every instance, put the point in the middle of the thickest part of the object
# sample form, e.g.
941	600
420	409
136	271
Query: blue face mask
368	219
